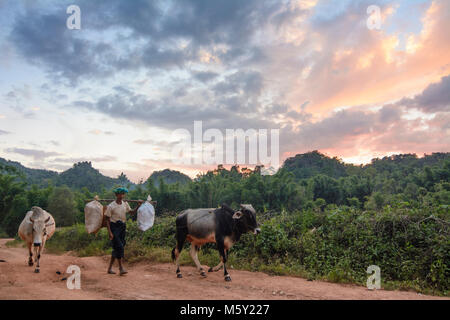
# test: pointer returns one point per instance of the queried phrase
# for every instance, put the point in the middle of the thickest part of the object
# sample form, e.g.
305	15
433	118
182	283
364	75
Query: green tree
62	206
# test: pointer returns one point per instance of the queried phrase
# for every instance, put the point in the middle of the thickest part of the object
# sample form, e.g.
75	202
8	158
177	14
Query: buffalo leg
194	255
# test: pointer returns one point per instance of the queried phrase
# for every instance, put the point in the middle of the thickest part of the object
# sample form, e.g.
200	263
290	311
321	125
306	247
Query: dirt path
158	281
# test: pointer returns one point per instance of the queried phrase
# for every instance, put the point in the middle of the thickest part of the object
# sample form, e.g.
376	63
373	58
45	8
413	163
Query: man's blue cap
121	190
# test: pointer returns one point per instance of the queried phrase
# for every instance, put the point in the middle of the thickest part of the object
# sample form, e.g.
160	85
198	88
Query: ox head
40	224
247	216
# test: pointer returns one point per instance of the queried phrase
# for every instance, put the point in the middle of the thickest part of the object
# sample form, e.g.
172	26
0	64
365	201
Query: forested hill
38	177
169	177
404	167
82	174
309	164
314	163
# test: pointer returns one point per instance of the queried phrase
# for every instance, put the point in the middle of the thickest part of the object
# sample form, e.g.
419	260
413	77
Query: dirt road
158	281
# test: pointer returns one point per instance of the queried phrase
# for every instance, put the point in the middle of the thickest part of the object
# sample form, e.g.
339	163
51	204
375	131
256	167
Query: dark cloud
54	142
140	34
80	159
332	129
156	143
35	154
248	82
44	40
205	76
435	97
235	104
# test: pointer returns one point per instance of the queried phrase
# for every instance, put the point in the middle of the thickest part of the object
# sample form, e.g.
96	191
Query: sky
115	91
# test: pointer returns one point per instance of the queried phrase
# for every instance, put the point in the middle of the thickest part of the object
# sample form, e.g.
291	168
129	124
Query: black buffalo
224	226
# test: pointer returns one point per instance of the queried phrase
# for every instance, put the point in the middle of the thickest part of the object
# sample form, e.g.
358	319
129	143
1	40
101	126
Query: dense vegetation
321	218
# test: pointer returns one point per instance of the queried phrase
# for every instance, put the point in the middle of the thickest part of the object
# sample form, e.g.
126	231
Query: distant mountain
169	177
82	174
313	163
410	160
303	166
33	176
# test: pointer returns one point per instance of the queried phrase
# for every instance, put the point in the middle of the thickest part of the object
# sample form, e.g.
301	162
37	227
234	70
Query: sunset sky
114	91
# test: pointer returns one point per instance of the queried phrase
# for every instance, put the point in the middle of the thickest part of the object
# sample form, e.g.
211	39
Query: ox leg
37	252
223	258
40	250
30	258
216	268
181	237
219	266
194	255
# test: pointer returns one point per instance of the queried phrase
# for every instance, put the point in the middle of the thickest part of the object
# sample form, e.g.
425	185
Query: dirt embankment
158	281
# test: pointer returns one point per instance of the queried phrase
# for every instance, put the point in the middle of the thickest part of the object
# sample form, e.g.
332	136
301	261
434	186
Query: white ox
36	228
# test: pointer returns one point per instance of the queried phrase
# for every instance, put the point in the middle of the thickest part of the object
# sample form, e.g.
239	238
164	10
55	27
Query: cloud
35	154
100	132
205	76
435	97
311	68
392	128
40	35
156	143
81	159
3	132
54	143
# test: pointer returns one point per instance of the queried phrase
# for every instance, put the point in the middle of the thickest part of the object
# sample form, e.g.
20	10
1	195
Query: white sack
145	216
93	216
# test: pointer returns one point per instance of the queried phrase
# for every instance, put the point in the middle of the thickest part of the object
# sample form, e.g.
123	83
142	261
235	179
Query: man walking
116	223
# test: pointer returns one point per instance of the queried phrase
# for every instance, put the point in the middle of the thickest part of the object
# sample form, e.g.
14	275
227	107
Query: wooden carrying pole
111	200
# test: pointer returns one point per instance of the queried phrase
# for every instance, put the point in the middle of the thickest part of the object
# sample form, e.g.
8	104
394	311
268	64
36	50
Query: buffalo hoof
203	274
210	269
227	278
36	270
179	275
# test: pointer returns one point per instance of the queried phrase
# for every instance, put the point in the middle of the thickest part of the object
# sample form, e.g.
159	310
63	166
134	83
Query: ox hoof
203	274
179	275
36	270
227	278
210	269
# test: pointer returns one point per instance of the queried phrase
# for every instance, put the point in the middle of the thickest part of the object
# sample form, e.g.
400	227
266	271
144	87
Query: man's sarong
118	229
